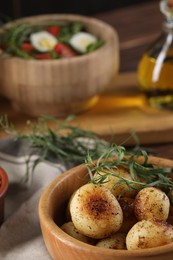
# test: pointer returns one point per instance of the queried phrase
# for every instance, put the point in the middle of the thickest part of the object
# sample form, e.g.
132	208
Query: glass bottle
155	69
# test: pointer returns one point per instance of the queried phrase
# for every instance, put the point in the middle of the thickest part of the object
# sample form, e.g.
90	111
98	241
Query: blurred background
121	14
20	8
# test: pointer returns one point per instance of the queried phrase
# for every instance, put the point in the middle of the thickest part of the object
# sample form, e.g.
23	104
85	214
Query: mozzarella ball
149	234
95	211
151	203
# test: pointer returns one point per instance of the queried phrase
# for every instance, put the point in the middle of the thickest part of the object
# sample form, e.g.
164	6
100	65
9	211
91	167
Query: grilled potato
116	241
95	211
149	234
170	216
129	219
70	229
68	214
151	203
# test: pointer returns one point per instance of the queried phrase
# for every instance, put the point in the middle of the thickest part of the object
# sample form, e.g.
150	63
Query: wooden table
137	26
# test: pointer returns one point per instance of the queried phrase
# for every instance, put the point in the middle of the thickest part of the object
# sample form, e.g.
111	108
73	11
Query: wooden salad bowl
52	212
3	190
61	86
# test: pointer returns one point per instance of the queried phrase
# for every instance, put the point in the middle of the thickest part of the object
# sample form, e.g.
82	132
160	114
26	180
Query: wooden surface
119	112
124	110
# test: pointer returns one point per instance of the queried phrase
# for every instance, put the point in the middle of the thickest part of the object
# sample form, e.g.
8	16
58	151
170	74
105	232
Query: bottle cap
166	7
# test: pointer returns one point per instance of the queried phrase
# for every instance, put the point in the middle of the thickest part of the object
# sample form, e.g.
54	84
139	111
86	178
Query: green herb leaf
94	46
142	175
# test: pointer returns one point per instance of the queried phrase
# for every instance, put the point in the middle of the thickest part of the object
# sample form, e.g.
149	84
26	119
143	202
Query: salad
52	40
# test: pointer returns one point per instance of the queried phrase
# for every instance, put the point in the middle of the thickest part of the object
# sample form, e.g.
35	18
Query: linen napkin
20	234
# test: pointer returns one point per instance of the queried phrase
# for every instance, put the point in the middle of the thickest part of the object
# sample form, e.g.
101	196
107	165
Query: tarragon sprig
56	140
143	174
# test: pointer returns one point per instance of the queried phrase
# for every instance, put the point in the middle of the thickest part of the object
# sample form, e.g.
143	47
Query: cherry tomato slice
43	56
26	46
54	30
64	51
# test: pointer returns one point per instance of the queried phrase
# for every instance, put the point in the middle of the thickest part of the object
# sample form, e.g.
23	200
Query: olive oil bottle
155	69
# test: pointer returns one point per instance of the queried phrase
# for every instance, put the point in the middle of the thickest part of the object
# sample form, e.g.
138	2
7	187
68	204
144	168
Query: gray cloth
20	234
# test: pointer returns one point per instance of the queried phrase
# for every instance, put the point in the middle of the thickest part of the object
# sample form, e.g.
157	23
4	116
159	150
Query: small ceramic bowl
3	190
60	245
61	87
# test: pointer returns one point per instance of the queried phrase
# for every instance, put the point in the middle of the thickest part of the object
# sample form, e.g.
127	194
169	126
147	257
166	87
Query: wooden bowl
60	245
3	190
60	87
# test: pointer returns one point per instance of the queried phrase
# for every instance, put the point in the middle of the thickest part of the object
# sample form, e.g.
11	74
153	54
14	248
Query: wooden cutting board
123	110
120	111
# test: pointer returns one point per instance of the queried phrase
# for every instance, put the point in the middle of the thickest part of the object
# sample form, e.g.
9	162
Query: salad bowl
59	87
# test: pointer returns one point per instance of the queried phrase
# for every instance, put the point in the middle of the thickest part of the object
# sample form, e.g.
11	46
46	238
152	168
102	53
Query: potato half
95	211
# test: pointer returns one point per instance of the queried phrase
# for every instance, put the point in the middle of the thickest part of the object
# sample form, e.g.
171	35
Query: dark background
20	8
